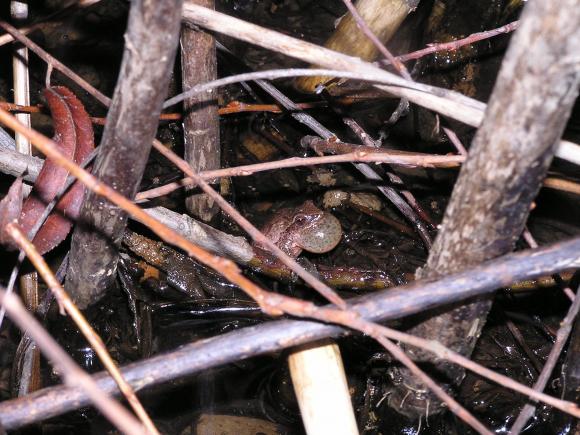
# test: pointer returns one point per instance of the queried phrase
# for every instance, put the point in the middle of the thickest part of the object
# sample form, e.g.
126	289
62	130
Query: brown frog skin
303	228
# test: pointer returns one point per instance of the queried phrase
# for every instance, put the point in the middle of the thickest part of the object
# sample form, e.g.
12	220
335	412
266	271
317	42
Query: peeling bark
201	128
150	47
510	155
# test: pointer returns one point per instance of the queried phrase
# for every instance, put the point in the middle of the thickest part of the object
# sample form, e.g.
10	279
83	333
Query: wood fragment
151	44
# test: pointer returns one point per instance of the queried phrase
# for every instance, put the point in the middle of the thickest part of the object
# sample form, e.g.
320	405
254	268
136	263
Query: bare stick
511	151
150	46
201	128
67	305
376	156
454	45
540	384
71	373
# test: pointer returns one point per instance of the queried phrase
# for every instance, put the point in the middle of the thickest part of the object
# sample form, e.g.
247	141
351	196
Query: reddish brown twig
70	372
67	305
377	156
454	45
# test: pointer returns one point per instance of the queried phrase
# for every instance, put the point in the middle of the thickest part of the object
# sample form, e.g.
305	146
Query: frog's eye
300	219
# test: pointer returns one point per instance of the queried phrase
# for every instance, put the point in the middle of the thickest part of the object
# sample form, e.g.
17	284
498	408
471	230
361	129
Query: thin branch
67	305
561	339
454	45
71	373
278	74
377	156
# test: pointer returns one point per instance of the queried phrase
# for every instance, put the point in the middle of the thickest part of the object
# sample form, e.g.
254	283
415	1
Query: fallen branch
276	335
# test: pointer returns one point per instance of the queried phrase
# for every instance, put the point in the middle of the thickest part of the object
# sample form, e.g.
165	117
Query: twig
540	384
454	45
71	373
67	305
377	156
283	73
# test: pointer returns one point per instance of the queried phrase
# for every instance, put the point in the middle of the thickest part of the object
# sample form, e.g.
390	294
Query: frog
302	228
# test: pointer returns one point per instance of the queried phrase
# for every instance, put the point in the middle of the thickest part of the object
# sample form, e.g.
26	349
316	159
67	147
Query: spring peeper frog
303	228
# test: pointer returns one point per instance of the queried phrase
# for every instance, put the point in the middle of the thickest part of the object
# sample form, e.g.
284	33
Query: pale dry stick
67	305
391	157
378	333
71	373
256	234
448	103
561	339
272	304
363	26
29	291
285	73
454	45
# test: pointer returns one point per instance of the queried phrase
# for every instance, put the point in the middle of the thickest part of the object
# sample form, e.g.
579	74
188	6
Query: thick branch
508	160
276	335
151	43
201	129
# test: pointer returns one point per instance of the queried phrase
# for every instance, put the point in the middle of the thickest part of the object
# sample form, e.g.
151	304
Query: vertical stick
321	389
30	375
201	121
148	59
19	13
